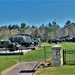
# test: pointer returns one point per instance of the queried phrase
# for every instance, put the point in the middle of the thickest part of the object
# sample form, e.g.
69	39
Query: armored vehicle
37	41
22	40
7	44
31	39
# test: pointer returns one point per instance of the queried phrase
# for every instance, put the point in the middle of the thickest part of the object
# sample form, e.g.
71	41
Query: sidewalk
22	68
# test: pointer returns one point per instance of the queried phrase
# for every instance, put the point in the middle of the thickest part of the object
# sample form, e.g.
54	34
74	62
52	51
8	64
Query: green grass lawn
62	70
36	55
68	45
4	64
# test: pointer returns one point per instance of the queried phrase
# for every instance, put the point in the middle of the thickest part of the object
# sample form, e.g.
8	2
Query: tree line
45	32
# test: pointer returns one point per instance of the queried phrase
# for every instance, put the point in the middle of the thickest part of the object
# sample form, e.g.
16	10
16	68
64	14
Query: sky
36	12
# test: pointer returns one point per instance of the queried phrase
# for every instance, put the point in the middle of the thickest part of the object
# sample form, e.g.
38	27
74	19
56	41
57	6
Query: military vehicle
25	40
36	41
9	45
21	39
33	40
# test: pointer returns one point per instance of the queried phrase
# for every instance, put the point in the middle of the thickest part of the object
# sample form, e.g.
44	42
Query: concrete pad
22	68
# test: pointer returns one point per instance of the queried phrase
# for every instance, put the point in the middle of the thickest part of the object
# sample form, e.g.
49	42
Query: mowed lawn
38	55
4	64
62	70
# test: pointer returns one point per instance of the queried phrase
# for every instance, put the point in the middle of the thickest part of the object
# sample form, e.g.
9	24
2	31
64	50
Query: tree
15	26
55	27
9	27
46	37
22	28
23	25
66	32
42	32
37	33
68	26
3	29
33	26
73	29
4	36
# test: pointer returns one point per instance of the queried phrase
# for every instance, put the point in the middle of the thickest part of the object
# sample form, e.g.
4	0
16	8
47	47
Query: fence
42	54
69	57
47	51
5	54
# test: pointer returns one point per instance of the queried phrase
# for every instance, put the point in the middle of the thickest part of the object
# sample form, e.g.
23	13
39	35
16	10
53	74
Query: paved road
23	68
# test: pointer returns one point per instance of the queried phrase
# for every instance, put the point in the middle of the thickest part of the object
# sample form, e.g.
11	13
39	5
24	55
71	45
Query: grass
4	64
62	70
34	55
47	44
68	45
38	55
